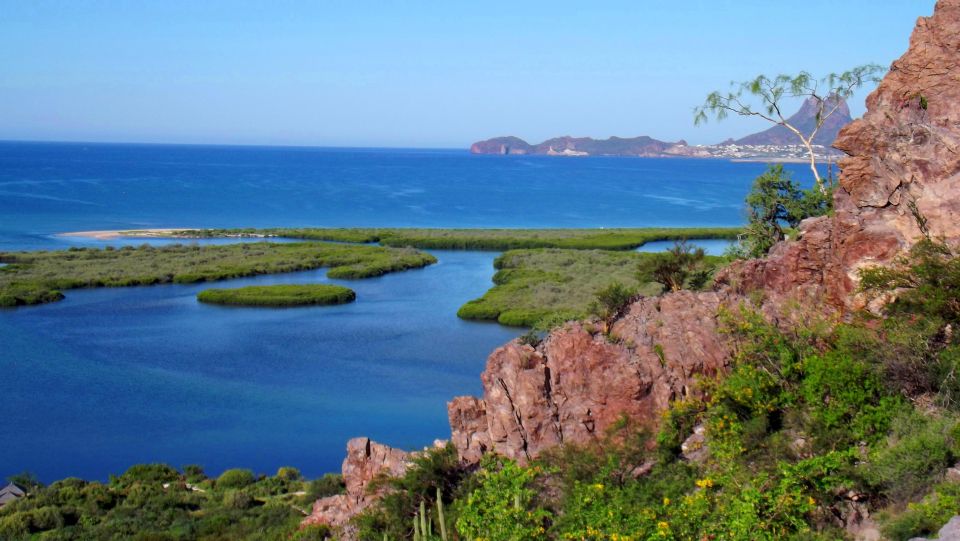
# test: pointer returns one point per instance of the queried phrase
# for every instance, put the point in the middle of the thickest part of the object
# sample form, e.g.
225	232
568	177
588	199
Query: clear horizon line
250	145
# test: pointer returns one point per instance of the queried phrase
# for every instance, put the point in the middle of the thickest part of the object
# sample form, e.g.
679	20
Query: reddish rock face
365	460
576	385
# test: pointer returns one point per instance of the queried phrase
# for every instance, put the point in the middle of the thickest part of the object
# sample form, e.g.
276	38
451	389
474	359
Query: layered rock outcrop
899	183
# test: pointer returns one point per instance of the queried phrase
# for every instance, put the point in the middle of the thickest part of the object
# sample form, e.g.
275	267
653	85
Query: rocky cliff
900	181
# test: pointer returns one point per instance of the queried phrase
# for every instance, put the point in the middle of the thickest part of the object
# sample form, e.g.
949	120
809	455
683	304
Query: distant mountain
804	120
576	146
776	142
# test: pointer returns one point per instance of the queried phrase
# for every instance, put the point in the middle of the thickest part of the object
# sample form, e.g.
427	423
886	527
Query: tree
828	94
776	201
678	265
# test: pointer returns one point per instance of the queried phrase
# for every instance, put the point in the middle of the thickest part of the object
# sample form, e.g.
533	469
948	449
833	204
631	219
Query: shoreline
109	234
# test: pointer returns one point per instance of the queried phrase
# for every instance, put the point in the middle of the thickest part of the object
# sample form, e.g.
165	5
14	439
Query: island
280	295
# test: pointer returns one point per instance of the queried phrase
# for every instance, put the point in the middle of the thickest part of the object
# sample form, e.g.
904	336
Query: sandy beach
122	233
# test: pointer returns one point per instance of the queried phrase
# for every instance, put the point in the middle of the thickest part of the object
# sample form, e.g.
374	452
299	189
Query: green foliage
775	202
918	450
279	295
235	478
154	501
683	265
930	276
328	485
768	93
847	399
545	287
39	276
925	517
502	507
483	239
612	299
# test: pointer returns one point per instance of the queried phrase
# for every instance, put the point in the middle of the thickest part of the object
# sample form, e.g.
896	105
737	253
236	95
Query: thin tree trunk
813	166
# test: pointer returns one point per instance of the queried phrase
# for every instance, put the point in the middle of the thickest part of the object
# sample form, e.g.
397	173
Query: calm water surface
113	377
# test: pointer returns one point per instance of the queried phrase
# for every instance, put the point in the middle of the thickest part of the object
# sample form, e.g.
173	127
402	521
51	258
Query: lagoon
111	377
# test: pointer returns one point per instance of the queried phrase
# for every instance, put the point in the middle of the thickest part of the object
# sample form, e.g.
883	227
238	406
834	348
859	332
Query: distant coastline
775	144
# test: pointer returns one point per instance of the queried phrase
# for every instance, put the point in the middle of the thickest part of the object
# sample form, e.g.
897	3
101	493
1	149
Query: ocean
108	378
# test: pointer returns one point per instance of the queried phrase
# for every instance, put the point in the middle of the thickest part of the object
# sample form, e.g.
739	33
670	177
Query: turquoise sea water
112	377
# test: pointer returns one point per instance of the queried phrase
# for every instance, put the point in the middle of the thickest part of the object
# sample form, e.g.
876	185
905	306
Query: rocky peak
804	120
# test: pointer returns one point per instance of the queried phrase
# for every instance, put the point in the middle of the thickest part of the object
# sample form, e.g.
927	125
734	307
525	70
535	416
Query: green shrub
612	299
237	499
147	473
235	478
847	400
919	450
925	517
502	506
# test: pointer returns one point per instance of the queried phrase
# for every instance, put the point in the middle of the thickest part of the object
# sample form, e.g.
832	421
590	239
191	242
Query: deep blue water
113	377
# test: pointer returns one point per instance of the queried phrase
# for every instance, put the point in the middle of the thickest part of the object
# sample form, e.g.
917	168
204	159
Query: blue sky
412	74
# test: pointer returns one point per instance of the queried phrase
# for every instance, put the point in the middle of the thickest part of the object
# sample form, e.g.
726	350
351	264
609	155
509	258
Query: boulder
366	459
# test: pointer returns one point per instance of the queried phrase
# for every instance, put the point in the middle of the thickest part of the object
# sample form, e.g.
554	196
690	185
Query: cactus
423	519
423	523
443	523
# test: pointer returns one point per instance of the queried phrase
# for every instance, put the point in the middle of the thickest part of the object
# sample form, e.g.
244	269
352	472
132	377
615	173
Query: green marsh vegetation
158	502
484	239
279	295
809	414
36	277
544	287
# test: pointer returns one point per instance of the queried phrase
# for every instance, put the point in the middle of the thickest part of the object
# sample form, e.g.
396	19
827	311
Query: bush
235	478
847	400
926	517
612	299
919	450
502	507
148	473
237	499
